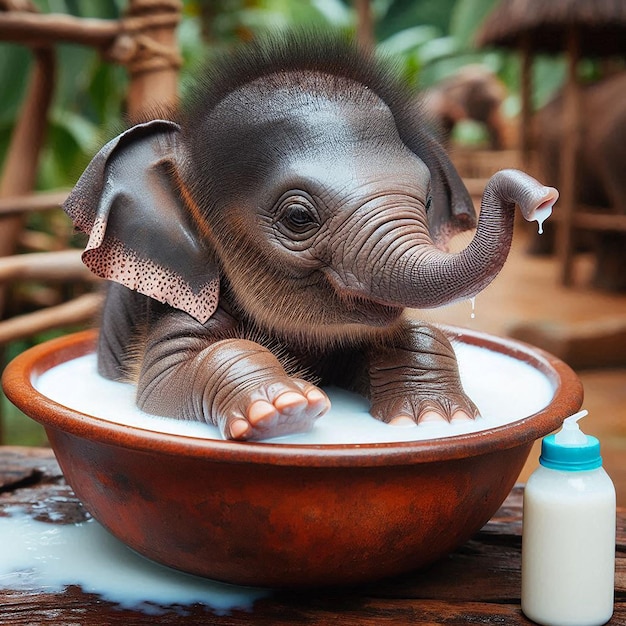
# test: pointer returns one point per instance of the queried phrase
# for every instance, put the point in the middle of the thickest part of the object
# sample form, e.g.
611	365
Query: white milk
541	215
504	389
38	556
568	544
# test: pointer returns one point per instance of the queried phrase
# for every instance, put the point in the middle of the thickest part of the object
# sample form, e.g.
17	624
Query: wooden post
569	153
365	24
20	167
155	60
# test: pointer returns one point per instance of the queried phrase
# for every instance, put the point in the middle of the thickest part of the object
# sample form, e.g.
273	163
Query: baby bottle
568	542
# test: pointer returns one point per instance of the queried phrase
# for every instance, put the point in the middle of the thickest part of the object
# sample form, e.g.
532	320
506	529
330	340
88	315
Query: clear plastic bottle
568	543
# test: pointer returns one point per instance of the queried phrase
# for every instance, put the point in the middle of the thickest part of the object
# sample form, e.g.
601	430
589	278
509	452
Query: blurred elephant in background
473	93
601	164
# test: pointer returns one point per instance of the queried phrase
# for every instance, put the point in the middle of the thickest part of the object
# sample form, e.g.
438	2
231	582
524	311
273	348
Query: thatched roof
602	25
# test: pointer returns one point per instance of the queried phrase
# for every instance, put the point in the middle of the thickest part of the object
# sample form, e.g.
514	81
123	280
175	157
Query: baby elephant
267	239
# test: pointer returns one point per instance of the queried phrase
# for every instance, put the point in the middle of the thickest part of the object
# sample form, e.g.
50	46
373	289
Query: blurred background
507	83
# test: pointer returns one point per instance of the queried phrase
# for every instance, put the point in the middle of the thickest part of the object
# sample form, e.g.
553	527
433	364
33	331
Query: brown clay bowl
287	515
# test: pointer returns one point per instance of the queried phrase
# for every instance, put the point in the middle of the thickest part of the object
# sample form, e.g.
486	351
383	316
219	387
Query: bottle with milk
568	542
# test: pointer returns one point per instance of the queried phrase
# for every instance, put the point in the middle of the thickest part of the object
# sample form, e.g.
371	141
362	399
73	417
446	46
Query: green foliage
432	40
401	14
466	18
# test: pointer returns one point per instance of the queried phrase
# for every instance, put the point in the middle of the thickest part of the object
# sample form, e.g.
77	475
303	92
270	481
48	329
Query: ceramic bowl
280	515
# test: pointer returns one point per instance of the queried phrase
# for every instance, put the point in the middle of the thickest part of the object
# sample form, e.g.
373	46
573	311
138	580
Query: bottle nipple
570	449
570	433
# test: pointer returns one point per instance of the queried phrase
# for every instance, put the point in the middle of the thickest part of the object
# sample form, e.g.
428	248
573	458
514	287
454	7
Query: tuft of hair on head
325	52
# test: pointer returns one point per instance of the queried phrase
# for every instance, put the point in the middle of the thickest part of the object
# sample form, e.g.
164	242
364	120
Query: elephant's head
309	195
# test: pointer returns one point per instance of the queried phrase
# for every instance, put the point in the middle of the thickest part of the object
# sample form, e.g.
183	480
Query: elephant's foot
405	410
417	380
283	407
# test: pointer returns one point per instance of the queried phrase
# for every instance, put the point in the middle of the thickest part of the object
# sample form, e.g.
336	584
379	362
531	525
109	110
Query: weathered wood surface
479	583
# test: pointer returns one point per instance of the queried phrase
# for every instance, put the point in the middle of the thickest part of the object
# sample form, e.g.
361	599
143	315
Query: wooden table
477	584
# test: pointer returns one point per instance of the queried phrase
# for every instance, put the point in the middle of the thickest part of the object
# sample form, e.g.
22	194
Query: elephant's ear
452	209
141	232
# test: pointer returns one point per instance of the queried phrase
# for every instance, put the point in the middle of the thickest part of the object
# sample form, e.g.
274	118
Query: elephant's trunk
426	278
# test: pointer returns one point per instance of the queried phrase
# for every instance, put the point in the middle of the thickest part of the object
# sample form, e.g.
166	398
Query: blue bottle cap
571	457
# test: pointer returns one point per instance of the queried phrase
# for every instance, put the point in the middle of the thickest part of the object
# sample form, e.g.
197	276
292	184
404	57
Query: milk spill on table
504	389
42	556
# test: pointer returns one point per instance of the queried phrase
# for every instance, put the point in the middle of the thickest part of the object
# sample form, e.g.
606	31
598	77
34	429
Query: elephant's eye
429	203
298	218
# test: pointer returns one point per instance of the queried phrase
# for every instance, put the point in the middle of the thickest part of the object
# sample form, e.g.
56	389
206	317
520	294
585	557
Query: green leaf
71	141
403	14
408	39
335	12
438	48
15	67
440	68
467	17
103	97
82	131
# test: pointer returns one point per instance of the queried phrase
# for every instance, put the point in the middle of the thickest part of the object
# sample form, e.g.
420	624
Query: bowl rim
19	376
